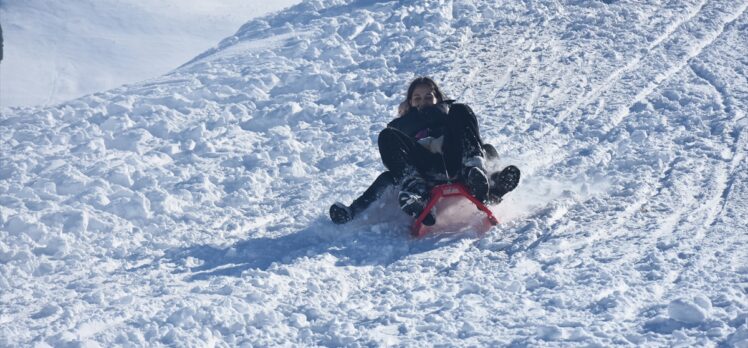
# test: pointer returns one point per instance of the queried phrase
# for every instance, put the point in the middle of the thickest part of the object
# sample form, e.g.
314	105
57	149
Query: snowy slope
190	209
59	50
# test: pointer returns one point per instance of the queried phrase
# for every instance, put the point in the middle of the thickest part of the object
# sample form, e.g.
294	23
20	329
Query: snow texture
59	50
191	209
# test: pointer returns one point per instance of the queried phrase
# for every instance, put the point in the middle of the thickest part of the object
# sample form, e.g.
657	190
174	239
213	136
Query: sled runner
443	191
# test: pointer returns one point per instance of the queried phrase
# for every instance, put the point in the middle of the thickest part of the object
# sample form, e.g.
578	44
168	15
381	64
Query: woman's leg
340	214
463	150
408	162
462	141
402	155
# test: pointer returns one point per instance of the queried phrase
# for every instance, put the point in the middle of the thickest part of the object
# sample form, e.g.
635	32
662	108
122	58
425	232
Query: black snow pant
375	190
402	154
385	180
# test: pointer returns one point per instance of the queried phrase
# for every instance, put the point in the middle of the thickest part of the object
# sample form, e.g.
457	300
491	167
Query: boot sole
504	181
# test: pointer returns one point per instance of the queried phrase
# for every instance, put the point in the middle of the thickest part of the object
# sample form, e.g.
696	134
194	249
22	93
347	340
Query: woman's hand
403	109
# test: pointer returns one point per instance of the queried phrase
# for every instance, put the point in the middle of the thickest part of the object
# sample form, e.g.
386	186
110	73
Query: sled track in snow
605	88
680	224
634	64
630	81
726	20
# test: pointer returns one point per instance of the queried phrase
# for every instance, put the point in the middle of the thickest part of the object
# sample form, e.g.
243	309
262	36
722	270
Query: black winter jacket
428	121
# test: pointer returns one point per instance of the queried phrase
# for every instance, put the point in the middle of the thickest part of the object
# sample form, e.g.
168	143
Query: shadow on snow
354	245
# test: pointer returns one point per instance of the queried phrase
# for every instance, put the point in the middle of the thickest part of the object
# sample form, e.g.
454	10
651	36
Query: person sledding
434	141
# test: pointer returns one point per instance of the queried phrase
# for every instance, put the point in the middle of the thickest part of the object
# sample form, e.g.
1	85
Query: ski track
191	209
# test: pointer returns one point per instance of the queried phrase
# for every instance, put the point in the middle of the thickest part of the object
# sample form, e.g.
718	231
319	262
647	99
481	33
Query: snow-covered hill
60	50
190	209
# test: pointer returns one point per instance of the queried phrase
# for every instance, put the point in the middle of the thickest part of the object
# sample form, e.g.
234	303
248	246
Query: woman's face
423	95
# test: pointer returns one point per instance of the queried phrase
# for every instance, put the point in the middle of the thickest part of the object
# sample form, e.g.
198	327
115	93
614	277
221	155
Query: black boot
503	182
477	183
491	153
475	178
413	197
340	213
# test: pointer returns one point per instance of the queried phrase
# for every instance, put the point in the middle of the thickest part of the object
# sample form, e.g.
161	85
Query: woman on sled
434	141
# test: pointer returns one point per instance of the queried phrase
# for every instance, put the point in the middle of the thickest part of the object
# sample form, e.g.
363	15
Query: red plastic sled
443	191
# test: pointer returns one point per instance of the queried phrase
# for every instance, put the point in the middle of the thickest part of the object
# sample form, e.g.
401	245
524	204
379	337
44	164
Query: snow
191	208
56	51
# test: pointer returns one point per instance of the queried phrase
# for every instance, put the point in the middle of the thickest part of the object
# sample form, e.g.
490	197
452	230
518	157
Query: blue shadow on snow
350	245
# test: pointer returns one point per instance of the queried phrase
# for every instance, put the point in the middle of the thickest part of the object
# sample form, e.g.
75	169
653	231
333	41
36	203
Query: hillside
191	209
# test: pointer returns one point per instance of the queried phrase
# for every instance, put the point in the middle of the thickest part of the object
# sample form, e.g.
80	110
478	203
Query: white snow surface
60	50
191	209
